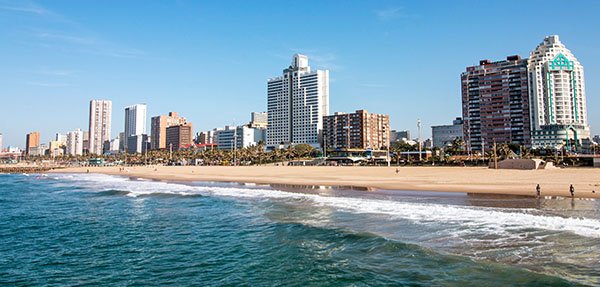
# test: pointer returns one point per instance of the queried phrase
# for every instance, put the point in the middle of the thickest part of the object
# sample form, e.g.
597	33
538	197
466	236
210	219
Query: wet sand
554	182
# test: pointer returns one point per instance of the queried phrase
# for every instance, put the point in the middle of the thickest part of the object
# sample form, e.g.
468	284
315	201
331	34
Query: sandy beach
553	182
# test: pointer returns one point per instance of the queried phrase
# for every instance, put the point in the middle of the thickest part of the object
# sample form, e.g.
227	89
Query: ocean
101	230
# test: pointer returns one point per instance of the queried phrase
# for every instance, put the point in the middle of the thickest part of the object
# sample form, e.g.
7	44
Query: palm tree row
255	154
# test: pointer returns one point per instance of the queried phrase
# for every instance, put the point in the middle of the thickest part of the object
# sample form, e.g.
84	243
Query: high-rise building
259	117
32	140
100	119
444	135
158	138
61	138
557	93
243	136
86	142
179	135
112	146
137	144
495	104
135	127
296	104
399	135
135	120
122	141
75	142
359	130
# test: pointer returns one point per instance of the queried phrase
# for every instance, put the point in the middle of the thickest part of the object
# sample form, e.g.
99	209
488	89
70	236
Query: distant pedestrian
572	189
537	188
397	171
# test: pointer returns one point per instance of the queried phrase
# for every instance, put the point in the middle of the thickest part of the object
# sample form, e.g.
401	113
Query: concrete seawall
25	169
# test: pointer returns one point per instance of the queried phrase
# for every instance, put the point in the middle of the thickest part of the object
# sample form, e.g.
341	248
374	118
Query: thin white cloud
24	6
394	13
73	37
68	38
376	85
90	45
53	72
325	60
48	85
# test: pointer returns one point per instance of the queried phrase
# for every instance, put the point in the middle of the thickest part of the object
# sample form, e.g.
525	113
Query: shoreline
479	180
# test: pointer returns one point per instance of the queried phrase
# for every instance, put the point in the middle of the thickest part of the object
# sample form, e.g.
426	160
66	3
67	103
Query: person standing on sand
572	189
397	171
537	188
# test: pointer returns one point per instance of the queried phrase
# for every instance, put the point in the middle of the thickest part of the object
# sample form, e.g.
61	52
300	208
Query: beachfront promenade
553	182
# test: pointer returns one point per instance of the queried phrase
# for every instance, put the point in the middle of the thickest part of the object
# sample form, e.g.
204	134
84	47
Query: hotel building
31	140
100	119
159	125
75	142
178	136
296	104
495	104
359	130
135	120
135	126
557	92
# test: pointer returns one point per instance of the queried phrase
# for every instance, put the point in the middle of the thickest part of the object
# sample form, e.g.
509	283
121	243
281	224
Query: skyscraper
75	142
135	120
495	103
158	138
100	118
296	104
557	93
32	140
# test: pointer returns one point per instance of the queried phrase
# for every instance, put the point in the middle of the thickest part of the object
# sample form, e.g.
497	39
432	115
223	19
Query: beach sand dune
553	182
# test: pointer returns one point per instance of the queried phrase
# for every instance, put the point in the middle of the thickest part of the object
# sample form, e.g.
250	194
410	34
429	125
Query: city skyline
62	59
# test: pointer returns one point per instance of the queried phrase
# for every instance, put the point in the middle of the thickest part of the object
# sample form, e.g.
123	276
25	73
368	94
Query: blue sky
209	60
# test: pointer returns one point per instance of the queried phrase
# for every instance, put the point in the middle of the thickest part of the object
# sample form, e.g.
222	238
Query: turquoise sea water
107	230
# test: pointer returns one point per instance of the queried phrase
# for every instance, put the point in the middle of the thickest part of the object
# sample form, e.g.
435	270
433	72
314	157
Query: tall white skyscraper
100	117
557	96
75	142
135	120
296	104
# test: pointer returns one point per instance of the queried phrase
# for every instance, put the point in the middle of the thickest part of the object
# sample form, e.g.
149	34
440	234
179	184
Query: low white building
39	150
244	136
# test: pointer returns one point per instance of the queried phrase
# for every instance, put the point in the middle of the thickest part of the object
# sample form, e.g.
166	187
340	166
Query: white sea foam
493	220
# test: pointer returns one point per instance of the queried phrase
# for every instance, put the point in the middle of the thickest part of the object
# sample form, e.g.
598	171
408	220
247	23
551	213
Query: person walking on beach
397	171
537	188
572	189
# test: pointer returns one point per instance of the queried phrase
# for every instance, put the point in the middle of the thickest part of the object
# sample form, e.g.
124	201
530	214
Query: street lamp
419	126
